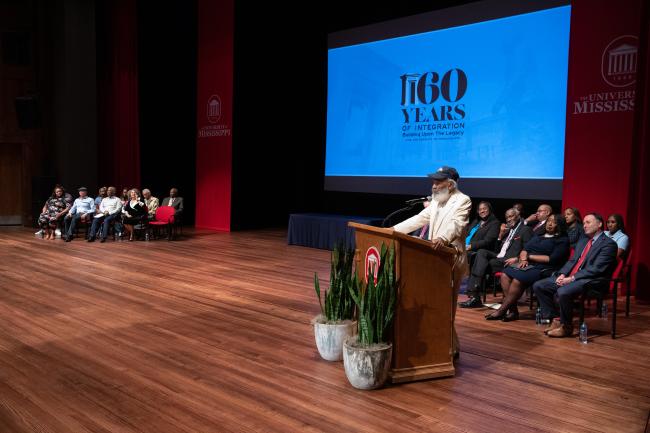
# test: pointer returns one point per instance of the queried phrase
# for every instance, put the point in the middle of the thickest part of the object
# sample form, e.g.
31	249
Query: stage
211	333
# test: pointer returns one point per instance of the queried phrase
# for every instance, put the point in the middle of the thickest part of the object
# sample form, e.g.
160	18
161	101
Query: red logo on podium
373	260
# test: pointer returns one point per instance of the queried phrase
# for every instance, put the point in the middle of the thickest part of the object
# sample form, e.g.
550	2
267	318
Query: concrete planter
330	337
366	367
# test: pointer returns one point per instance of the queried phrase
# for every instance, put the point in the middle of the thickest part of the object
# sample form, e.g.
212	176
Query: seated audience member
52	213
540	257
69	200
83	209
100	196
538	219
109	211
513	235
519	208
151	202
594	257
616	232
125	196
133	212
483	231
174	201
66	195
574	225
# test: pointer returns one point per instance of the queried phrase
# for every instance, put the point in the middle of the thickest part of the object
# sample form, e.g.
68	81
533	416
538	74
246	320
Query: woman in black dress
540	257
133	212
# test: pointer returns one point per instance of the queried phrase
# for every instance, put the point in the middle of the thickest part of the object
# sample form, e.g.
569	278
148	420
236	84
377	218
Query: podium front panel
423	320
423	326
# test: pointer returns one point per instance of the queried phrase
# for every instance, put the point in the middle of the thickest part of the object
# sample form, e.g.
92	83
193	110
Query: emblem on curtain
619	62
214	109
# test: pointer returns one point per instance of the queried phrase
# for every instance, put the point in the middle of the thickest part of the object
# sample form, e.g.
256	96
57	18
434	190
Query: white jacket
447	221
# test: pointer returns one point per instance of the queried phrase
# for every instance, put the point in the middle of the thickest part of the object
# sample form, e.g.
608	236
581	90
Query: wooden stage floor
211	334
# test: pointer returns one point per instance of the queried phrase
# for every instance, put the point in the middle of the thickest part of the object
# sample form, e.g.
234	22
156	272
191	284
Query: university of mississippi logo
373	260
214	109
619	61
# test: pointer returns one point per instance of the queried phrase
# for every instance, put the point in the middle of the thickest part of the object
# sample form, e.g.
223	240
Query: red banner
214	114
603	59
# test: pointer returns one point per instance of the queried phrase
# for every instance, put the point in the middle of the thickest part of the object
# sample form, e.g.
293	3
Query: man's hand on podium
437	243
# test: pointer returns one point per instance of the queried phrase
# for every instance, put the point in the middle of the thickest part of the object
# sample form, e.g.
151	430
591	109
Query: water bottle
603	311
583	333
538	316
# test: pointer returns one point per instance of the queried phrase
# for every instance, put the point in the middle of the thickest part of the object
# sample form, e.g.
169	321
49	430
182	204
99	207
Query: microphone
418	200
409	207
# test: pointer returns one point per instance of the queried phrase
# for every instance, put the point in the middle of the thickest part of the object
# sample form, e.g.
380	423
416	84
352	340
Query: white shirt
111	205
83	205
506	243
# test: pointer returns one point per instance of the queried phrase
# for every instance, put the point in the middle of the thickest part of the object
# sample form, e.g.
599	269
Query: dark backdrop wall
280	112
53	63
279	107
167	89
117	94
74	109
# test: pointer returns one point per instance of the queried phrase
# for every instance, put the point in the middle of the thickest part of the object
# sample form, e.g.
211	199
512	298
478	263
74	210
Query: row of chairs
164	221
599	290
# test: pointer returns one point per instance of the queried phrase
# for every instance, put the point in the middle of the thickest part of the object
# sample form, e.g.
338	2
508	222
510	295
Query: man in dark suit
510	241
174	201
537	221
594	257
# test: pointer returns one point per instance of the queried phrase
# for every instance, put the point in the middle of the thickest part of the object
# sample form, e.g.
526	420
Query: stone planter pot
330	337
366	367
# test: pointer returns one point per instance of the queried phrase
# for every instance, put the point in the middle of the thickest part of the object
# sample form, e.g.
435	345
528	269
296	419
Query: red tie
582	258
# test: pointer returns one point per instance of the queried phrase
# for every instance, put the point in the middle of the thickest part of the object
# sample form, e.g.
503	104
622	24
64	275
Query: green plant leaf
317	288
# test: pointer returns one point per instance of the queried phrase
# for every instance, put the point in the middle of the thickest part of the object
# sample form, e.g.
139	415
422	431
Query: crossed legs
512	291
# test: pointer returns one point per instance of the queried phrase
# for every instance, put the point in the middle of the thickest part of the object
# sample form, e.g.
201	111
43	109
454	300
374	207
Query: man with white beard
447	217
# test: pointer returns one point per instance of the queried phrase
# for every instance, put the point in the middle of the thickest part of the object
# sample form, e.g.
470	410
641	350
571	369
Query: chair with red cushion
164	219
600	288
495	276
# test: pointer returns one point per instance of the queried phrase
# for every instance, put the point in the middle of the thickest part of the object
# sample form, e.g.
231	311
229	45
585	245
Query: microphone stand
398	211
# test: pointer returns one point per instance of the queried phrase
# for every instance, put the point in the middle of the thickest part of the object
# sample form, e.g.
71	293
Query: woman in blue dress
541	256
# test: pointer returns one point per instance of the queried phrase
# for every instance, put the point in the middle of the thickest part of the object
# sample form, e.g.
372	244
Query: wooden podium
423	326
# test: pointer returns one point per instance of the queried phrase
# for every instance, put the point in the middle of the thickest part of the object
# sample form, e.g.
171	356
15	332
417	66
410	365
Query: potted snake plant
335	322
367	356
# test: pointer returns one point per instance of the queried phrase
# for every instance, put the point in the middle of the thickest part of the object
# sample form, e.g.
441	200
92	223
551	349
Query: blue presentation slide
487	98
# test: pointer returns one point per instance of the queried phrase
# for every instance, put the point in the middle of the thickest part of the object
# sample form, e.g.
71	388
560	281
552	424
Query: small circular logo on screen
214	109
619	62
